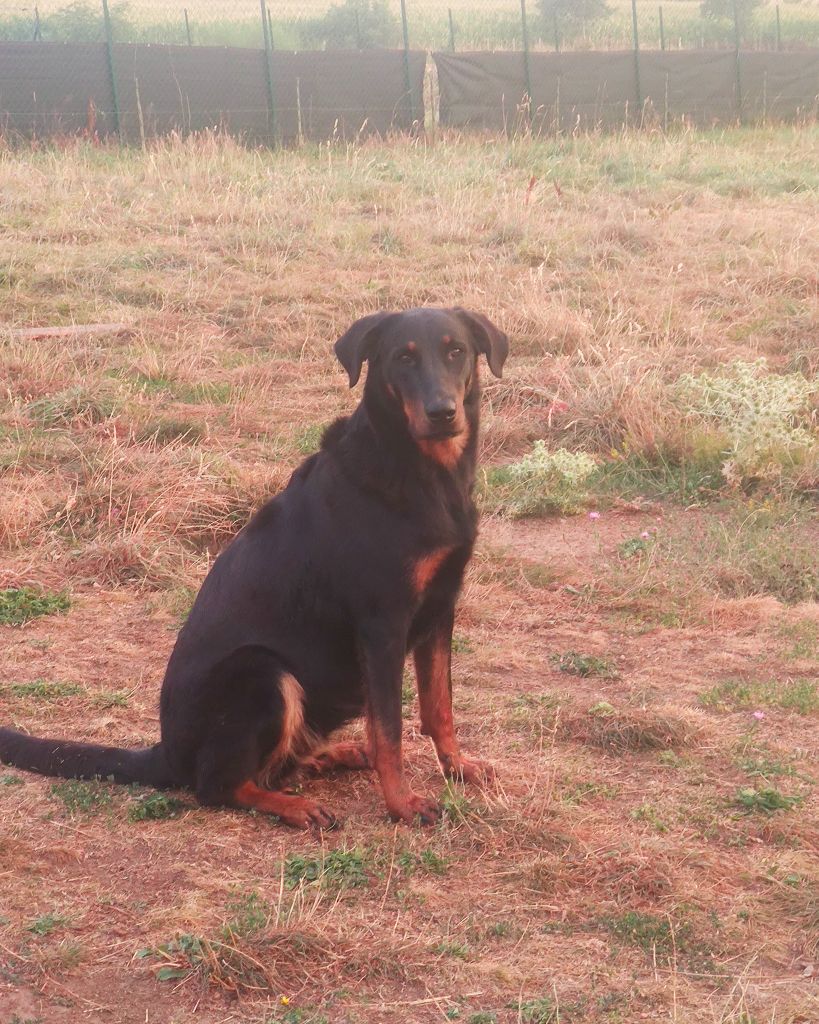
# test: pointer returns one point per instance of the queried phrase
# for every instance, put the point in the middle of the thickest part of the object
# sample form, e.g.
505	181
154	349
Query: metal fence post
662	29
556	31
109	45
452	31
737	40
38	31
407	75
268	55
778	31
527	71
637	87
188	27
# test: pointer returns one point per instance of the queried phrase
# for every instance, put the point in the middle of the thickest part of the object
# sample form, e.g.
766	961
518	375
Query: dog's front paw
467	769
415	807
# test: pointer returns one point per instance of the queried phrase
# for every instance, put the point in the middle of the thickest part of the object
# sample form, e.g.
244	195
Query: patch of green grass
80	402
458	950
482	1017
686	476
340	869
534	712
155	807
110	698
624	730
766	801
645	812
579	792
653	934
11	780
800	695
576	664
455	803
151	383
19	605
427	861
79	796
308	440
44	689
461	644
210	391
537	1011
743	549
251	914
46	924
167	431
634	547
297	1015
761	763
541	577
803	638
213	961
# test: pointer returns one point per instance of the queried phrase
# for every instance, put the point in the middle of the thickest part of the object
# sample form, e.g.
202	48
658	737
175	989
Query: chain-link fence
279	70
460	25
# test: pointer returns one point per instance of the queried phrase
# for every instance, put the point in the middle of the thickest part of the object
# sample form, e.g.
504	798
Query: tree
571	15
83	22
355	24
723	10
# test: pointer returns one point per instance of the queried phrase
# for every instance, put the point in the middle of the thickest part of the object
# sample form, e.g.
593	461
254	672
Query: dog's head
425	360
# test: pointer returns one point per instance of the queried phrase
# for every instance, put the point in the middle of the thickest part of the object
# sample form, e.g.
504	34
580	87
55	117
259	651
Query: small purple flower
645	535
594	515
758	715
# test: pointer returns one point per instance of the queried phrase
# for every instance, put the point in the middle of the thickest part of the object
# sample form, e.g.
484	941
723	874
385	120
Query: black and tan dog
305	620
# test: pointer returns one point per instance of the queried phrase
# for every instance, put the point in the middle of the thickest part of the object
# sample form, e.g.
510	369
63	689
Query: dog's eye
406	358
454	352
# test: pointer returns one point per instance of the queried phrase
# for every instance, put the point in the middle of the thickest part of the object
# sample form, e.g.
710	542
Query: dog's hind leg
253	726
351	755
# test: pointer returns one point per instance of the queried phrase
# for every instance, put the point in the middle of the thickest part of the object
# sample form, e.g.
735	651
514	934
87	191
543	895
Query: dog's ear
356	344
490	339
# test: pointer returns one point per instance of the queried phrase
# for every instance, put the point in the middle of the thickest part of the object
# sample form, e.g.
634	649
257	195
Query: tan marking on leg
293	810
425	569
402	803
433	661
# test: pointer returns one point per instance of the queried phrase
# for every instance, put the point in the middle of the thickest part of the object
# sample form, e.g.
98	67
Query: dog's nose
442	413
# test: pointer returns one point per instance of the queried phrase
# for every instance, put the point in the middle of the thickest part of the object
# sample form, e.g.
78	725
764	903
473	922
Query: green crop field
478	24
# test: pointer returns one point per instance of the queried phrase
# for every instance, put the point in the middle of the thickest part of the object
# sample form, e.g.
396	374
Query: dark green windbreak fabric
488	90
47	89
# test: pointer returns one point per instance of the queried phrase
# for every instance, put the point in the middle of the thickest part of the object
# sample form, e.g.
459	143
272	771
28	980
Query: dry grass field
640	662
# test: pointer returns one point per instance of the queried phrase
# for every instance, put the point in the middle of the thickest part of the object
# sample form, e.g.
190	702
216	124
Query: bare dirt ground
645	681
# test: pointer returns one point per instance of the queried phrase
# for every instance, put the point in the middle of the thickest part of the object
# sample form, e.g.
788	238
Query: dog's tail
70	760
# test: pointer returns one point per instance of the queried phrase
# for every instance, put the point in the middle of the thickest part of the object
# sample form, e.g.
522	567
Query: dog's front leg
433	671
384	651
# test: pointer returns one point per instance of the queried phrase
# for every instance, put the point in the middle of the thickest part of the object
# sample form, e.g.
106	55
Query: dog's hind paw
313	815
